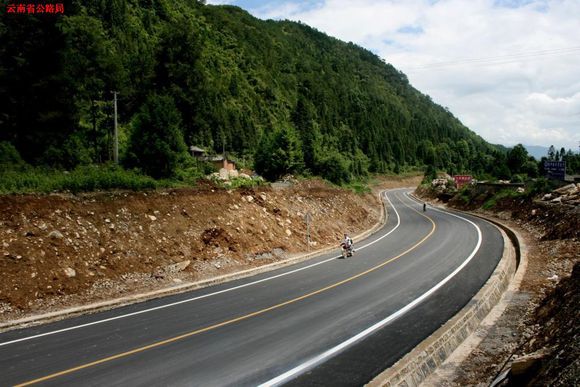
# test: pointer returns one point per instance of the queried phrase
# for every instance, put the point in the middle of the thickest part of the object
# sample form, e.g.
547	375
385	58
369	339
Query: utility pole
116	139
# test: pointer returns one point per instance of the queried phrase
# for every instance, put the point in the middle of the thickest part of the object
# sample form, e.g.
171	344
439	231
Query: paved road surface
328	321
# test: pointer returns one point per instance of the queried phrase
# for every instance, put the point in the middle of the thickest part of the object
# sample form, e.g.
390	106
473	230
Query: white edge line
333	351
200	297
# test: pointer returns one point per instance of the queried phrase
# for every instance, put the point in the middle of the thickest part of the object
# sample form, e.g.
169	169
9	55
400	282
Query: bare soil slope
59	251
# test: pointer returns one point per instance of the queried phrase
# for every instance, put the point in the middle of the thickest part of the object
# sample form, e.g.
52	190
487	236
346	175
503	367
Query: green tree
551	153
517	158
156	144
335	167
279	153
430	174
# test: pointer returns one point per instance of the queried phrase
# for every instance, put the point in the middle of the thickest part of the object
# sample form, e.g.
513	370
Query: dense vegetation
279	95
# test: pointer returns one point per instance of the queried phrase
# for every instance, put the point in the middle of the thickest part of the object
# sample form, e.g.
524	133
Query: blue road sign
555	169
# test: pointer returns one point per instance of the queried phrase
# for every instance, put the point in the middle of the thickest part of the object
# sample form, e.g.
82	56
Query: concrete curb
128	300
425	358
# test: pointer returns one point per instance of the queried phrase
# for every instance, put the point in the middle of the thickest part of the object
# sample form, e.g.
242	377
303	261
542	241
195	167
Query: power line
497	60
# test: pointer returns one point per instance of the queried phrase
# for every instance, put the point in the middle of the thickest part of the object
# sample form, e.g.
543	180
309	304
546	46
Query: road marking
237	319
333	351
205	295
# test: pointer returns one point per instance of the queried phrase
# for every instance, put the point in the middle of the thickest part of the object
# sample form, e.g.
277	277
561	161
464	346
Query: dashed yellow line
232	321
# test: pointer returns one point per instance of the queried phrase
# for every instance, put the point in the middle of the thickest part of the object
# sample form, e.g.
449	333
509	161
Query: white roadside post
308	219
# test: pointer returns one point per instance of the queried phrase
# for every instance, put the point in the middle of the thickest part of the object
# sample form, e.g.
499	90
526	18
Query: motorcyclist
347	242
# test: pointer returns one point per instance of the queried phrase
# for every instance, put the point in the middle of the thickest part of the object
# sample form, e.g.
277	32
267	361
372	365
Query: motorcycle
347	251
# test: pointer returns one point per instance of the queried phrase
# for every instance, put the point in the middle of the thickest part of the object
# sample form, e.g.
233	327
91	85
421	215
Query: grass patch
503	194
81	179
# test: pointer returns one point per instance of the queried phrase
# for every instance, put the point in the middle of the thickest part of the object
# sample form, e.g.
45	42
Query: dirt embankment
59	251
537	337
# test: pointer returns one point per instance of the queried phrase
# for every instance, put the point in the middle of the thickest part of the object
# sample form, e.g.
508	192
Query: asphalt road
328	321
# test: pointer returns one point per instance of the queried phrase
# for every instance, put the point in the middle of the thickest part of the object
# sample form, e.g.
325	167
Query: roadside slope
60	251
533	329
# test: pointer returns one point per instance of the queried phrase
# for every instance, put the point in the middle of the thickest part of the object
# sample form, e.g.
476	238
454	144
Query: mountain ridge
231	81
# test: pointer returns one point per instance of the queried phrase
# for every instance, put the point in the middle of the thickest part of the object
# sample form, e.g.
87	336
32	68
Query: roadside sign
555	169
461	180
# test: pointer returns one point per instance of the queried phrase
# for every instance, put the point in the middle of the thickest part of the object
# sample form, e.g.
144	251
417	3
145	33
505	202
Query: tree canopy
277	92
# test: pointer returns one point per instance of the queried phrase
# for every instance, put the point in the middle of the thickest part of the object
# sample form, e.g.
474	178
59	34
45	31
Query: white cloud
220	2
507	68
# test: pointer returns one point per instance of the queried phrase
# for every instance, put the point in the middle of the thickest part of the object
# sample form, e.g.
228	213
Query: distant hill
219	78
537	151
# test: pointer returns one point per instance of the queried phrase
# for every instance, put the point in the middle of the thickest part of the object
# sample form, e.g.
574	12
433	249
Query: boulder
233	174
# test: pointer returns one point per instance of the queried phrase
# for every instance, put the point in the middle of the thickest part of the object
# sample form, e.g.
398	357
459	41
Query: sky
508	69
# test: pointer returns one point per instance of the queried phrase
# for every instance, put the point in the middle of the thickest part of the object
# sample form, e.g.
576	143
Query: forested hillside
279	95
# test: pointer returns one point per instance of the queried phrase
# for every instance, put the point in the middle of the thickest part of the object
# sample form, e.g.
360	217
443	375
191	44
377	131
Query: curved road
328	321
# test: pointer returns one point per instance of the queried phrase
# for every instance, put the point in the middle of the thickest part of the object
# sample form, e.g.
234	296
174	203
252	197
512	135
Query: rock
264	256
288	232
244	176
55	235
177	267
520	190
107	220
554	278
177	280
278	252
152	218
224	175
527	363
249	198
233	174
70	272
556	200
547	196
263	196
567	189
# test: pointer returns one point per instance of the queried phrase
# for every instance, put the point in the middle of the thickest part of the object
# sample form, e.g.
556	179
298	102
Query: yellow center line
241	318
